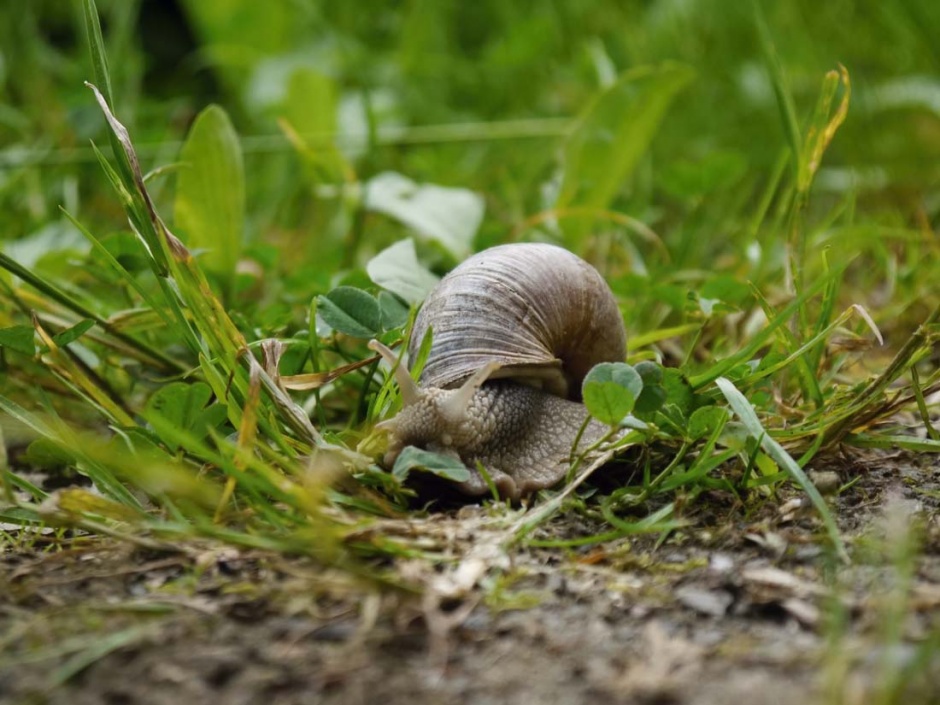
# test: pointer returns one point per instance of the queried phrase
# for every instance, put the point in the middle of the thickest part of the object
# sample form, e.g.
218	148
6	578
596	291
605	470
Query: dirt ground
739	606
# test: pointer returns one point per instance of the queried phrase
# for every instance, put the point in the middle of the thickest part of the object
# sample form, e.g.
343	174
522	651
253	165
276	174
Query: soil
737	605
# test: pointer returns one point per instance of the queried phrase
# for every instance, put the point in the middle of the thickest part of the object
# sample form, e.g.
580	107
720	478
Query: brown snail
515	329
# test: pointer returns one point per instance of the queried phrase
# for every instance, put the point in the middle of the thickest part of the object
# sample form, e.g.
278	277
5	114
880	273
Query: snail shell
542	313
514	329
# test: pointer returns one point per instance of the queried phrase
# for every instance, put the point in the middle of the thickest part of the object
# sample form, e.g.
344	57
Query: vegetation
201	240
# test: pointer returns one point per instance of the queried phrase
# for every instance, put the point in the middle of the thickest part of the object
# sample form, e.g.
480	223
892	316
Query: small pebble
714	603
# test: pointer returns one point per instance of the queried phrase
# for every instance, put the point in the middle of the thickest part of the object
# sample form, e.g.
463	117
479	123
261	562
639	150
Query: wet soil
738	605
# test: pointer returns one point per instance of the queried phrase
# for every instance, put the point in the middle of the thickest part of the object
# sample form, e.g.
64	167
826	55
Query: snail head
433	418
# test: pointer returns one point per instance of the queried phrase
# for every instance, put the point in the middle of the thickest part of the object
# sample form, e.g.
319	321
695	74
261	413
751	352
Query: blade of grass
791	126
89	384
746	414
60	434
887	441
99	59
612	134
932	432
97	648
762	338
846	419
247	433
802	351
56	294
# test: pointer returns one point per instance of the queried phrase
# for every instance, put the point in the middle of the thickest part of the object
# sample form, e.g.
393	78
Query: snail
514	329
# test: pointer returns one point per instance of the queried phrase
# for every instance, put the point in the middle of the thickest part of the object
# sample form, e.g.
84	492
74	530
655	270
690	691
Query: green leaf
397	269
446	466
44	453
18	338
748	417
351	311
310	104
678	391
823	127
653	395
759	340
612	133
394	312
610	391
310	107
450	216
727	288
96	649
183	405
210	192
70	335
706	421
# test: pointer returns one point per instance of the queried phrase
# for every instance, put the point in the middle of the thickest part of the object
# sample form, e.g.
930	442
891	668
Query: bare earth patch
738	607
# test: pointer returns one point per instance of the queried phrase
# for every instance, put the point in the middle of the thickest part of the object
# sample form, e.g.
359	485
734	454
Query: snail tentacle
406	385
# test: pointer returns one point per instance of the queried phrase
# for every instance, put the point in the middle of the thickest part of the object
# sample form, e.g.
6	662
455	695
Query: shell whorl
543	314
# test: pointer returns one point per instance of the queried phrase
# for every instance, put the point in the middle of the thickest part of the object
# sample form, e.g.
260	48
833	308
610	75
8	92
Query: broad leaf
451	216
397	269
446	466
653	395
394	312
310	108
210	192
351	311
184	407
703	422
610	391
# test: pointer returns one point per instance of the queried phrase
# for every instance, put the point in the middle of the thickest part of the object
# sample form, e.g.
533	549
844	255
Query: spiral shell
543	314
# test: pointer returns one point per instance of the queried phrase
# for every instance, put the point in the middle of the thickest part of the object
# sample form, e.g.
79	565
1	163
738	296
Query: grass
189	332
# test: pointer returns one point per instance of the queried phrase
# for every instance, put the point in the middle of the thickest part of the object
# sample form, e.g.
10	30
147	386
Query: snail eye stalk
454	408
408	387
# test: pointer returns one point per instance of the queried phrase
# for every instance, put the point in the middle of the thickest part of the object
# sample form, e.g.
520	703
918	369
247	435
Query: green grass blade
61	297
761	339
746	414
140	208
807	375
97	647
888	441
791	126
824	317
848	418
99	59
612	134
57	432
822	127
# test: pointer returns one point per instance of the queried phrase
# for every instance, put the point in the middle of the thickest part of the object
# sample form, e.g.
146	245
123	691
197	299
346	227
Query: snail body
514	330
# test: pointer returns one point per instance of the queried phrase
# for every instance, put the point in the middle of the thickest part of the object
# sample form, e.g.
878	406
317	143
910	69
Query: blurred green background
479	96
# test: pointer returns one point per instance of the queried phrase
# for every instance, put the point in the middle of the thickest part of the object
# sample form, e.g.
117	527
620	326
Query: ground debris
693	618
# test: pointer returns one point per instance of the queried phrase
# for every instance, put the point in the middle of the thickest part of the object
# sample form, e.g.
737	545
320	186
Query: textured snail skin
523	436
514	331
